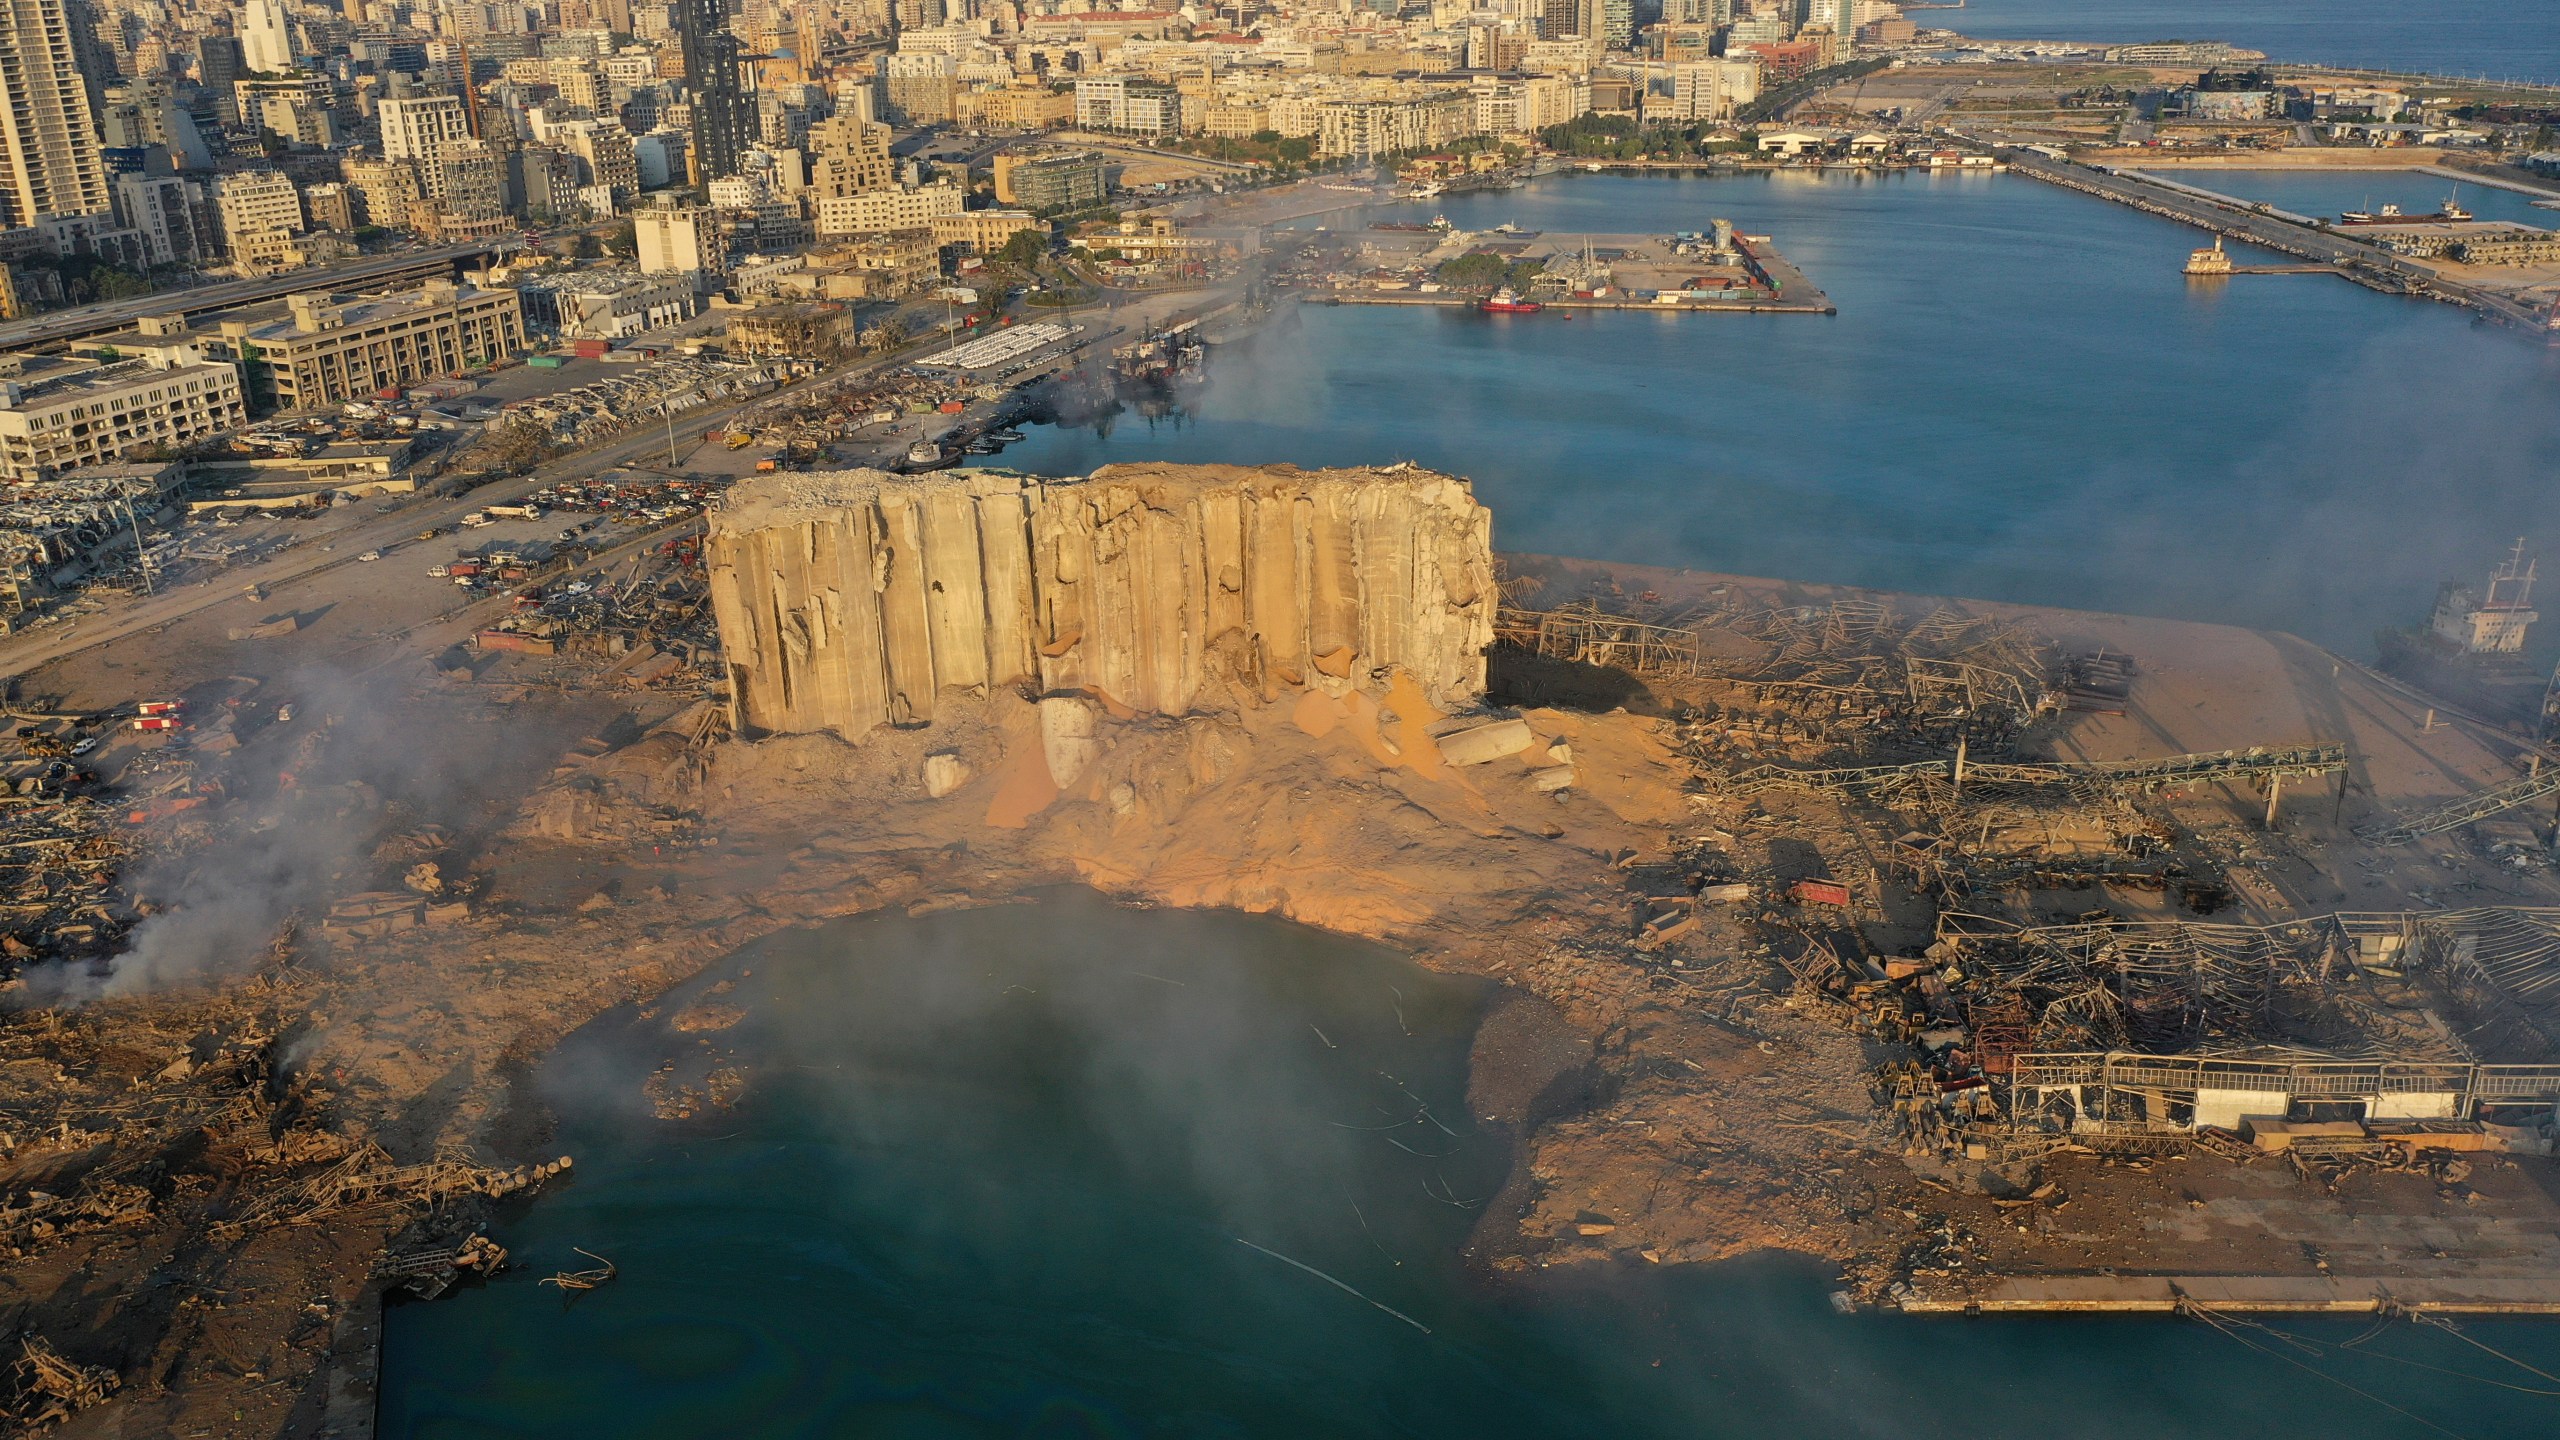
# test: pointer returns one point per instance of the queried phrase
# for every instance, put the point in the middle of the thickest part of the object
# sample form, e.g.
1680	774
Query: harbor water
1077	1171
2021	398
2502	39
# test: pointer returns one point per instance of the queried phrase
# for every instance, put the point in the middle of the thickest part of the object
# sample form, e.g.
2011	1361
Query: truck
159	707
477	518
515	512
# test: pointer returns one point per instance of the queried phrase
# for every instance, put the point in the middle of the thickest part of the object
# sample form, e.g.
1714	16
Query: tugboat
925	455
1507	301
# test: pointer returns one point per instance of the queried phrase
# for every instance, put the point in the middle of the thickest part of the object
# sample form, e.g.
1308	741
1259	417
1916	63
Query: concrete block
944	772
1481	744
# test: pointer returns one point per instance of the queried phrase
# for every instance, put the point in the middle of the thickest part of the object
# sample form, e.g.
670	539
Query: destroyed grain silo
853	599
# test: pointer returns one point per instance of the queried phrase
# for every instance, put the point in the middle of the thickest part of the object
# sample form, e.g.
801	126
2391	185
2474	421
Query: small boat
2387	215
1005	437
1507	301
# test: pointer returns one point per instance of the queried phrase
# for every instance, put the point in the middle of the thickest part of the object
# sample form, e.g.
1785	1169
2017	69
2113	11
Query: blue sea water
2021	398
996	1172
2502	39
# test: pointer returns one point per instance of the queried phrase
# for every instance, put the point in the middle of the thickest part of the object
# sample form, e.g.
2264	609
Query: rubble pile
604	408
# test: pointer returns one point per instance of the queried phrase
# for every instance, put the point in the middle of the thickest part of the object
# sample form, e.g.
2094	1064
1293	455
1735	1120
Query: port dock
2231	1294
1712	269
2329	249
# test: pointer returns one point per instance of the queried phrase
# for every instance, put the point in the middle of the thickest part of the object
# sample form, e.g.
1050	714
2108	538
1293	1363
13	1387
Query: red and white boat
1507	301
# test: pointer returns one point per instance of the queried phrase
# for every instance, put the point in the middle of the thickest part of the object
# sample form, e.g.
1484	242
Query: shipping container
520	644
1819	892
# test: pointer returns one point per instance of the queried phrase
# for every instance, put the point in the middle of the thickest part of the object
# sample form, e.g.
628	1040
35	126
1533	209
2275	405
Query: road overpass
378	272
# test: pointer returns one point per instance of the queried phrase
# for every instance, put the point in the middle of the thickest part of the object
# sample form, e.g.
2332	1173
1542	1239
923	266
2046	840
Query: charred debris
2047	954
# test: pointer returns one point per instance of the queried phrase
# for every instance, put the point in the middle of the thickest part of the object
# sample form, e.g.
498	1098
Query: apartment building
879	210
248	204
418	127
50	163
678	240
1139	107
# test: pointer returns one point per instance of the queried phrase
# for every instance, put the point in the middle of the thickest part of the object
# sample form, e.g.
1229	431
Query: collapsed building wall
850	599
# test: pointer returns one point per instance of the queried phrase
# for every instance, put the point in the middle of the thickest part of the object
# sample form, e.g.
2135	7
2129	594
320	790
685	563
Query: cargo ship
1507	301
2451	214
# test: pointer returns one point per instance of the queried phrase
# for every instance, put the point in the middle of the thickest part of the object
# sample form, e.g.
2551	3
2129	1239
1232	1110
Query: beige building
880	267
416	127
328	207
1017	107
49	159
878	210
319	349
386	191
676	239
810	330
255	208
983	232
848	155
60	413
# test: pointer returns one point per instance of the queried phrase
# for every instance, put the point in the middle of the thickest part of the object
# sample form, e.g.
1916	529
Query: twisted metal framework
2173	985
2478	805
1590	636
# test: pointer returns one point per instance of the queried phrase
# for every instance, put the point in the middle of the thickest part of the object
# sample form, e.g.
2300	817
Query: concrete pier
2241	1294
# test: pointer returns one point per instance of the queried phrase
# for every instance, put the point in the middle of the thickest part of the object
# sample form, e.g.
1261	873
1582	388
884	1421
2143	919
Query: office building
61	413
320	349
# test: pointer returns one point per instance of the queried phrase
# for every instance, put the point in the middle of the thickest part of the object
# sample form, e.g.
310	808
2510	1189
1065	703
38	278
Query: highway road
109	316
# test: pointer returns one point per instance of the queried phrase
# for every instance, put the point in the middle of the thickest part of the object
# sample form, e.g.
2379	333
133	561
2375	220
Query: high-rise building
49	164
416	127
266	37
724	120
218	64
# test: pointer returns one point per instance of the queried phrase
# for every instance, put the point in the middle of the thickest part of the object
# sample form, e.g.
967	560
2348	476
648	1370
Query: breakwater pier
2347	256
1715	268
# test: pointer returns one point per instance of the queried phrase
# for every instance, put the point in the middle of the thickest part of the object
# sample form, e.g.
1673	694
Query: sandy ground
1670	1106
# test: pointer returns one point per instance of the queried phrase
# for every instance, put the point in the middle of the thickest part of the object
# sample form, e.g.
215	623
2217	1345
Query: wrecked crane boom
2258	764
2476	806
